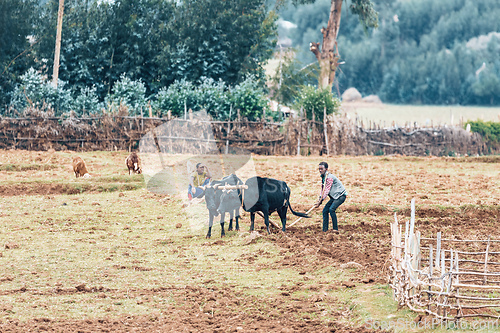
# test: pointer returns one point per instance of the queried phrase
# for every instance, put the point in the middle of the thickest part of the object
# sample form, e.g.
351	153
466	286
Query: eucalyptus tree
158	41
17	18
327	53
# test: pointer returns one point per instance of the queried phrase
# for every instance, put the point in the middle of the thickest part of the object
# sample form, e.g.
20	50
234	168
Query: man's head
323	168
200	168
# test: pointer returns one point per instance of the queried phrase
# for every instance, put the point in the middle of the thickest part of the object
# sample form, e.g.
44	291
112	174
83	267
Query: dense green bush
315	100
87	102
178	96
250	99
35	90
214	97
130	93
489	130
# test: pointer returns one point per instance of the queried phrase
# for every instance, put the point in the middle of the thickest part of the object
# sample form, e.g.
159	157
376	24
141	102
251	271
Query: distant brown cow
133	163
80	168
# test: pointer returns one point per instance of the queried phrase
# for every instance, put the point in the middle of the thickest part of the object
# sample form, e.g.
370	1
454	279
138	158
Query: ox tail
291	209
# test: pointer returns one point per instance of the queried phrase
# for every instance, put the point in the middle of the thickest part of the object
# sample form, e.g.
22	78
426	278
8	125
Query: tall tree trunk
57	52
328	56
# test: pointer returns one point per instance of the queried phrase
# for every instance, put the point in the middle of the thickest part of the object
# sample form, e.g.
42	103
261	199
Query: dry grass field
423	115
105	255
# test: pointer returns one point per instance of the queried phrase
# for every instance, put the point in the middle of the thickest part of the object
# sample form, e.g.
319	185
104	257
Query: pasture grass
55	174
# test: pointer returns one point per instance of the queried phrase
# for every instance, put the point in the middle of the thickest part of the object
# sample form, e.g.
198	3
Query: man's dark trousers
330	208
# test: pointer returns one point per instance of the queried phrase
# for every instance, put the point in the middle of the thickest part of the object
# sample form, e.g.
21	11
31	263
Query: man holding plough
330	186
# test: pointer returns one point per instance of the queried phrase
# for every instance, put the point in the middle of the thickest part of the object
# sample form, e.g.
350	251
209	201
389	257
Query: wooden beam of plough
273	223
225	187
300	218
231	187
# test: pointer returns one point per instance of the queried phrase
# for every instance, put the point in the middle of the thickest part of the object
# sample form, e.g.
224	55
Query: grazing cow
213	200
80	168
133	163
267	195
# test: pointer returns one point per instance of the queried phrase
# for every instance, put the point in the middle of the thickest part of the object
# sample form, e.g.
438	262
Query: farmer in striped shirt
332	187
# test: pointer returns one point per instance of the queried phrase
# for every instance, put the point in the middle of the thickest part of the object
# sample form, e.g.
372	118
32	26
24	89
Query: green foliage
87	102
179	96
158	41
214	97
35	90
250	99
17	18
315	100
424	51
209	95
487	85
129	93
489	130
366	13
289	79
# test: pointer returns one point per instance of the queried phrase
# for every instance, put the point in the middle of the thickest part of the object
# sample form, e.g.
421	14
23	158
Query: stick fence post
300	134
438	248
486	259
419	254
325	129
442	262
228	128
430	275
185	110
407	227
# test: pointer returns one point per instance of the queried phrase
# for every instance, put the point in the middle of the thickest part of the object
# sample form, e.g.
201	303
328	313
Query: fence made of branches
449	279
335	135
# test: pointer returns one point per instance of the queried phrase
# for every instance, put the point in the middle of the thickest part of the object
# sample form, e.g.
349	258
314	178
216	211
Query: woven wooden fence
338	135
446	278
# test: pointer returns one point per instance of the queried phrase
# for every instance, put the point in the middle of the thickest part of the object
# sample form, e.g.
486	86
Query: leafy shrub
213	96
129	93
34	90
489	130
314	99
87	102
250	99
275	116
179	95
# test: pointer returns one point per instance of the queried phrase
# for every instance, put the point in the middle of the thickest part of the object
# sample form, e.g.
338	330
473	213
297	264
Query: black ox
265	195
213	198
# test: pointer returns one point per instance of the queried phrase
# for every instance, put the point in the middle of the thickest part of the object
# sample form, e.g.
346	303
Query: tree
222	39
158	41
328	54
16	20
290	78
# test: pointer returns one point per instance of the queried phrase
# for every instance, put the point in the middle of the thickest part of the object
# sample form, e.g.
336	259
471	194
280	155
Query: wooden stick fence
440	278
334	135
